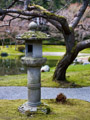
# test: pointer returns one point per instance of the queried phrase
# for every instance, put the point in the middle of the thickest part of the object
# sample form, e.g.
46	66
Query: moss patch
38	34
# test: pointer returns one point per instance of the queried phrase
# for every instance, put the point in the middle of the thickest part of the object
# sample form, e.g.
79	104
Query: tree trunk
71	53
60	72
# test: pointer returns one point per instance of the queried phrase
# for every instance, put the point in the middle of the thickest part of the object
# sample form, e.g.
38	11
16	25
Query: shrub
89	59
21	48
4	54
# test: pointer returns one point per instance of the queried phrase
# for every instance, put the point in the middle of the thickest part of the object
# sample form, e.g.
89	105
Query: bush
4	54
21	48
89	59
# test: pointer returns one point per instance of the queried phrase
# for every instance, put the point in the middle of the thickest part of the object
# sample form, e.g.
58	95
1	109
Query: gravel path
12	93
62	53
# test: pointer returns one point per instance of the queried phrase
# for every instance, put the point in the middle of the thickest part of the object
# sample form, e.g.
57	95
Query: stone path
81	56
12	93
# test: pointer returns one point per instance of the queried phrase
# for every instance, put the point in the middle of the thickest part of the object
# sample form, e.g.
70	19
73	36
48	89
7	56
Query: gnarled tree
72	46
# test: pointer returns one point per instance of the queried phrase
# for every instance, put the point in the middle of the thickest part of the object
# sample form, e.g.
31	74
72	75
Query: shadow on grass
67	84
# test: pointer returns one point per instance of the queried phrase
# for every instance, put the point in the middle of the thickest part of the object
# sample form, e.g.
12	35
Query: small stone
45	68
33	35
32	26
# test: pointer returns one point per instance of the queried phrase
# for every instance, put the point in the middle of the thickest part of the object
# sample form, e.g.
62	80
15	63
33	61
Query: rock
77	61
45	68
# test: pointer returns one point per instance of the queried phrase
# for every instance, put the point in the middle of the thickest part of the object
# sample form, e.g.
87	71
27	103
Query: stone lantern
33	60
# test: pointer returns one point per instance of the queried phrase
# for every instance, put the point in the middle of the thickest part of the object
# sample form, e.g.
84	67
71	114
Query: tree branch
80	13
45	14
82	45
56	24
21	17
13	3
14	17
8	8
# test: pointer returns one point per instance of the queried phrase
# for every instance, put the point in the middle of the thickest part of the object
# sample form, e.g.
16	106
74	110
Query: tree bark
60	72
71	53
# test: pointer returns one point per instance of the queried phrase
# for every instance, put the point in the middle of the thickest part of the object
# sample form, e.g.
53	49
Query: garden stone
45	68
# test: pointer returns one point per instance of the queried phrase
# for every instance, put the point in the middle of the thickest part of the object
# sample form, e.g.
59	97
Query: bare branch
80	13
21	17
9	8
13	3
56	24
9	21
4	25
68	3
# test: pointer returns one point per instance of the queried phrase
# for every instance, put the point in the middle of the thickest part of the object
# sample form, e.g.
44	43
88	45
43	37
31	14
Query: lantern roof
33	34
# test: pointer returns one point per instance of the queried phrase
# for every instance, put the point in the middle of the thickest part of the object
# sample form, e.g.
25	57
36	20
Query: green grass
86	50
78	75
11	50
46	48
71	110
53	48
53	57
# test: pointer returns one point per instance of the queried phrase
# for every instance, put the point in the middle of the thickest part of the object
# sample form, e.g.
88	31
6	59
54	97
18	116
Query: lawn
11	50
79	75
53	48
72	110
86	50
46	48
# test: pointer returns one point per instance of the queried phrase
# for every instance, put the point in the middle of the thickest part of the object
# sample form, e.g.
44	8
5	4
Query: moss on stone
37	34
27	110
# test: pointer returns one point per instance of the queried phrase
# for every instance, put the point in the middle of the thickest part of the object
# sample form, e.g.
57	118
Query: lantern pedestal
34	84
28	110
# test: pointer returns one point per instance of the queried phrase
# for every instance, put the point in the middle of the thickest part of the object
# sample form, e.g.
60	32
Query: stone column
34	86
34	79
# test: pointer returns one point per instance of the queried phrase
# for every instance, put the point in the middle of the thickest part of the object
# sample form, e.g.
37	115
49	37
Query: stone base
28	110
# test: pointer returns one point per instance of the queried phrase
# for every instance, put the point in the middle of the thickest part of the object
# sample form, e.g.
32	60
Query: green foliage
53	5
4	3
89	59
